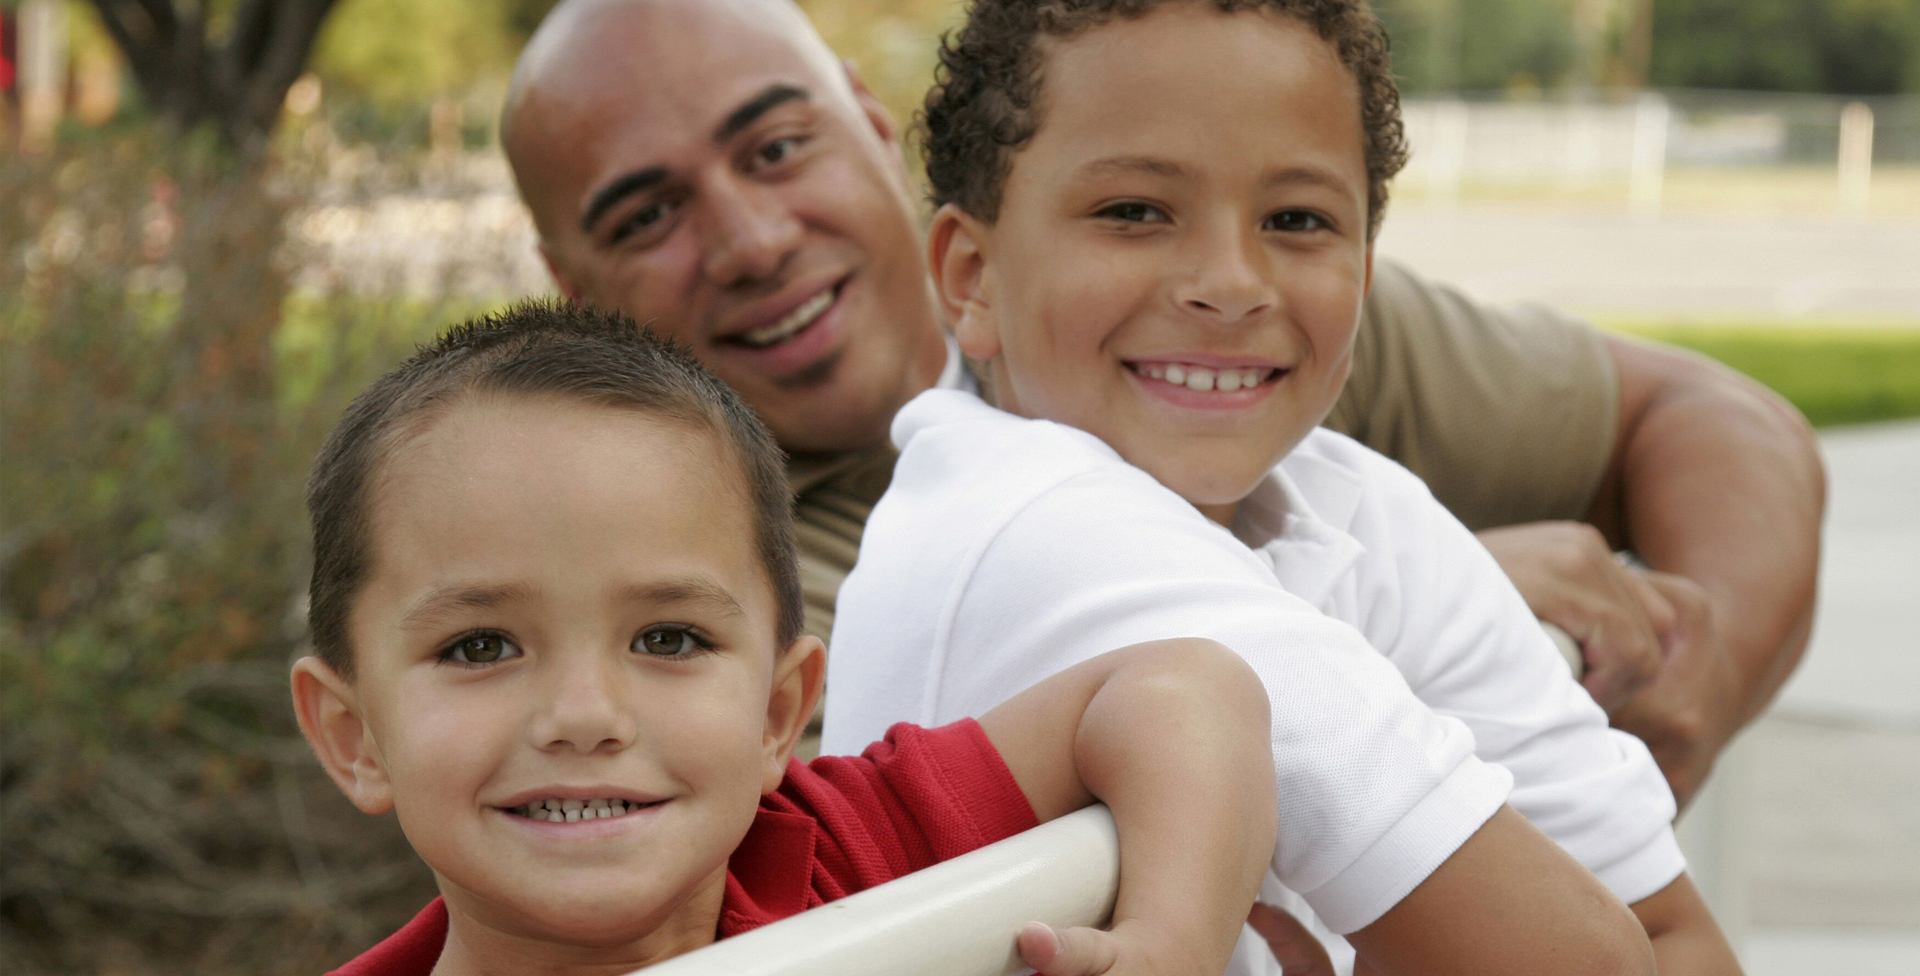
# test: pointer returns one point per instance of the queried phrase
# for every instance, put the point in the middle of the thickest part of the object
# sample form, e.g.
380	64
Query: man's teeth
570	811
792	322
1204	379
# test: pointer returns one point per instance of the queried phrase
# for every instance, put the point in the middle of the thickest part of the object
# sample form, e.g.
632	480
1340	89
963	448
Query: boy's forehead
557	492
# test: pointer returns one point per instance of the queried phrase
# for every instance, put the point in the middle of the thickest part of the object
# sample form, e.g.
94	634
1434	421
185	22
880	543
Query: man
710	166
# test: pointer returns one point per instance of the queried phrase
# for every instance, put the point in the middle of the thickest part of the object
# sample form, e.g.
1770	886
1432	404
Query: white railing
958	918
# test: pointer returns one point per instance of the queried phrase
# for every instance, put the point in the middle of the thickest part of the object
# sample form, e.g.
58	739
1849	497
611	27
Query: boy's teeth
1204	379
792	322
574	811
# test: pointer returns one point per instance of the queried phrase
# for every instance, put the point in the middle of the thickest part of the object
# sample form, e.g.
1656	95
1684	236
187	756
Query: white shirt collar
1307	544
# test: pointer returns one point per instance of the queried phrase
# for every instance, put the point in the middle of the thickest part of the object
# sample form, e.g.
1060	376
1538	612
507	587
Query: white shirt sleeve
1452	622
1375	790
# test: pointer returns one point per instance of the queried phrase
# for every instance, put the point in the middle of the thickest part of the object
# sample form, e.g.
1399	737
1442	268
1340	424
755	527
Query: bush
158	410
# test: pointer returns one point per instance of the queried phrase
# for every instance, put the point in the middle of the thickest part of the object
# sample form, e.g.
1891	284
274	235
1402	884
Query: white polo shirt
1406	676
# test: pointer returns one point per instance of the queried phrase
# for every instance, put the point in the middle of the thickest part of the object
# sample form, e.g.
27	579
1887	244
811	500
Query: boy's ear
957	258
329	714
798	678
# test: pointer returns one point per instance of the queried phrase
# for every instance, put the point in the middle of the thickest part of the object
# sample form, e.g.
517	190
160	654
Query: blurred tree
1855	47
228	64
1468	45
398	52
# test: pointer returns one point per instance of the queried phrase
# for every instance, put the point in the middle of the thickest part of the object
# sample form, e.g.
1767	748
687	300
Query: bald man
710	166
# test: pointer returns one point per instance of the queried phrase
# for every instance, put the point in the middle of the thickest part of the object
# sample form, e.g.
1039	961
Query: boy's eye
1297	221
1133	212
670	641
483	647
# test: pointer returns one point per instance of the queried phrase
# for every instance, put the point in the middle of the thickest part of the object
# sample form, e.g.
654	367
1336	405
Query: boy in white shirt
1165	244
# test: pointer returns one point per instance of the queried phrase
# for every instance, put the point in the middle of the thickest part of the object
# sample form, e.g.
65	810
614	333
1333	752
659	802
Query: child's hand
1082	951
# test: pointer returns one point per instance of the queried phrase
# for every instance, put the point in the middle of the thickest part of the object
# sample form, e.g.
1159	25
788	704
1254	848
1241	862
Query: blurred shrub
160	399
1833	373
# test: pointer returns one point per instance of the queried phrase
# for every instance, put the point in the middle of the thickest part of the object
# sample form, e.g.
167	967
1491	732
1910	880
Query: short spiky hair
544	349
982	107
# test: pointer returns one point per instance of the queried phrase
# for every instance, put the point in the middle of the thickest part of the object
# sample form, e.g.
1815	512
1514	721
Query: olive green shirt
1509	414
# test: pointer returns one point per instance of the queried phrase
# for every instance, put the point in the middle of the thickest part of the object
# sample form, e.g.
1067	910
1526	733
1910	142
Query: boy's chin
610	921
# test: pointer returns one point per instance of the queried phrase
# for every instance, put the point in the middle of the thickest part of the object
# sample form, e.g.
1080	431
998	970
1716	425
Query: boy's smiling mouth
1202	378
575	806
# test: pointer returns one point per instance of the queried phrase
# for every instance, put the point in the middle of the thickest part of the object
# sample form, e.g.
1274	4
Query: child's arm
1509	901
1173	737
1686	939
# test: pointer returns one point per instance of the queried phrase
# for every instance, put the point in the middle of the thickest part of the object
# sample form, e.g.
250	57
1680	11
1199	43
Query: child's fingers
1066	952
1299	953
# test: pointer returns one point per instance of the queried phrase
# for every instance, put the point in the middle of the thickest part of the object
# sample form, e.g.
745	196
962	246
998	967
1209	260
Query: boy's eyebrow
1307	174
459	596
694	591
1123	165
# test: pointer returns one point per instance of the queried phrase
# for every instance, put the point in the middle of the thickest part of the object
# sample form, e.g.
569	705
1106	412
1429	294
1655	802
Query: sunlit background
202	259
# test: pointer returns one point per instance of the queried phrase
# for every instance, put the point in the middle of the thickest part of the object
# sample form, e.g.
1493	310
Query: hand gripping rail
958	918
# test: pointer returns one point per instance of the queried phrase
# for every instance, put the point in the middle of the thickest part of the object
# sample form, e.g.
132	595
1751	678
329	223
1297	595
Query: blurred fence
1638	139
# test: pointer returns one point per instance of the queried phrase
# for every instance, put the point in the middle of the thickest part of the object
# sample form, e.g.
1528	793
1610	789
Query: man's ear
957	259
870	104
329	714
560	279
798	678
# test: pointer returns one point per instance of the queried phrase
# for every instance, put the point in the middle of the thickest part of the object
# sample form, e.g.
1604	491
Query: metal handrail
957	918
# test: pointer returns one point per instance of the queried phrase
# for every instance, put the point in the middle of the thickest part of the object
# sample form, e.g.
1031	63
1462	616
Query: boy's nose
584	712
1226	285
750	232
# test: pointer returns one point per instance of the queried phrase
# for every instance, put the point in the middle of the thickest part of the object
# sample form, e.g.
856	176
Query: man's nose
1227	283
584	709
750	234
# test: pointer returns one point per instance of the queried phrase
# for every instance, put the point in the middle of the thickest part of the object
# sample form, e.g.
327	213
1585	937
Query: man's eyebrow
687	591
1124	165
455	597
755	107
607	196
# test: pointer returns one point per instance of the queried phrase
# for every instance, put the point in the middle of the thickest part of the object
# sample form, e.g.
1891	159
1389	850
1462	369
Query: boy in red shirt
556	617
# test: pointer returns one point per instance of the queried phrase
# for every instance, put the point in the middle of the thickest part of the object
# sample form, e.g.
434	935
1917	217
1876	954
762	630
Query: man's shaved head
562	72
711	167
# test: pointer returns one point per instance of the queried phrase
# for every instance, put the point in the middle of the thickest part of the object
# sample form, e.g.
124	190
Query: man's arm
1718	482
1172	736
1527	419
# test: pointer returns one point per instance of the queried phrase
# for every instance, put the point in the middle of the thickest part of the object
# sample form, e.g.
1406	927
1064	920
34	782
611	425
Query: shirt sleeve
914	799
1460	632
1509	414
1375	791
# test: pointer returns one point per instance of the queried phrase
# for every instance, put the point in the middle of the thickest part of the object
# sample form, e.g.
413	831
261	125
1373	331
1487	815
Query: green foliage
1859	47
157	419
1833	374
1453	45
408	51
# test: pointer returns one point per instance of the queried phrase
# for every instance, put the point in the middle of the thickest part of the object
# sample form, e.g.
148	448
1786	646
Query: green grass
1836	374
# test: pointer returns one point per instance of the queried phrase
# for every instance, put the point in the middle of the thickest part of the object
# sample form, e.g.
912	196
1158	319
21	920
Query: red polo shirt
837	825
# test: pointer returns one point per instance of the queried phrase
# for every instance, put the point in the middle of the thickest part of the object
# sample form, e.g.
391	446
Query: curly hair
981	109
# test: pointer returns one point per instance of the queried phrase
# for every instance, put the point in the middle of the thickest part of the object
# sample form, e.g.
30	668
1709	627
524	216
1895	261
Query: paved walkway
1675	265
1807	841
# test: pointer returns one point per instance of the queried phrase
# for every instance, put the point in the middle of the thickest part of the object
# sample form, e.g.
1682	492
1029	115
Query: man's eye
641	220
670	642
1297	221
778	150
1133	212
484	647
